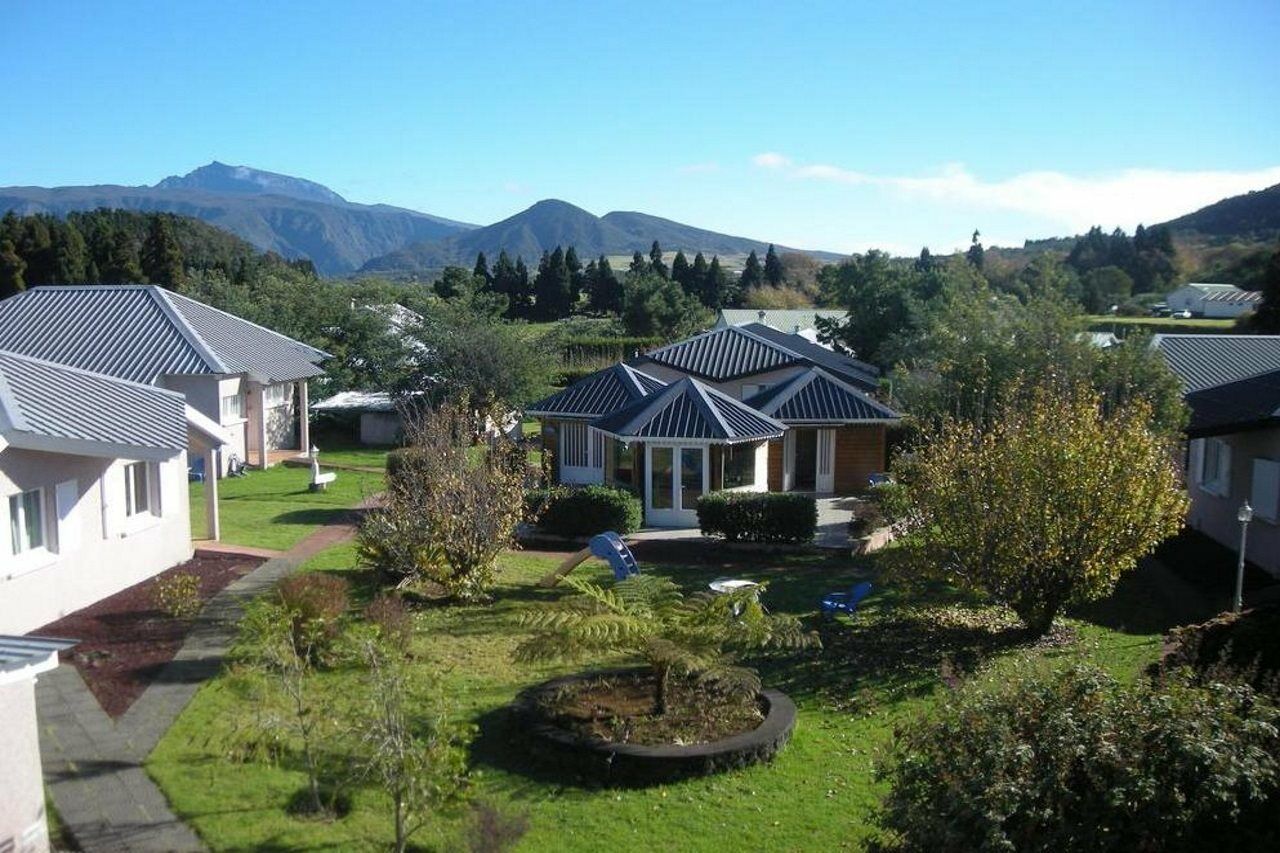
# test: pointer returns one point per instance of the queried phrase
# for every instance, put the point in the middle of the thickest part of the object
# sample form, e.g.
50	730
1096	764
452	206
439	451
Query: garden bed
124	641
602	727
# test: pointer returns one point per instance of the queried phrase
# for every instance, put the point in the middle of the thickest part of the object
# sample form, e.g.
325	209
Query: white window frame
274	396
150	472
17	513
1215	467
238	413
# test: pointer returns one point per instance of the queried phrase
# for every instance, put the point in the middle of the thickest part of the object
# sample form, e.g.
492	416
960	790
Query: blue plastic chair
610	547
845	602
195	473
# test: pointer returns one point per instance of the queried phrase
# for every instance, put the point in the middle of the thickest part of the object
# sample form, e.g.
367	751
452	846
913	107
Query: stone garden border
632	765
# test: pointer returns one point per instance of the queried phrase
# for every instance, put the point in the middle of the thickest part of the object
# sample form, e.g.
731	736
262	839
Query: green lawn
1102	322
355	455
275	509
872	673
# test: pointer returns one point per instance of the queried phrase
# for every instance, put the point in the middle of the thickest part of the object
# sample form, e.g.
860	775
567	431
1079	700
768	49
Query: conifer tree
698	275
682	273
120	266
639	266
773	273
976	252
717	292
576	282
655	261
12	267
752	275
482	269
71	255
605	293
552	289
522	297
162	256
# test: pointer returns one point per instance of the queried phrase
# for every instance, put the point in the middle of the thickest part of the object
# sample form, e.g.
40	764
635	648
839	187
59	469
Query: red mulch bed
125	641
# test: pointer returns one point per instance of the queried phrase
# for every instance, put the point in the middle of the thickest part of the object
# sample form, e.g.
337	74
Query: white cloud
700	168
1123	198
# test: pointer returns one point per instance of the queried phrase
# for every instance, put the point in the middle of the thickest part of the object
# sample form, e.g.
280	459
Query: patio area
834	515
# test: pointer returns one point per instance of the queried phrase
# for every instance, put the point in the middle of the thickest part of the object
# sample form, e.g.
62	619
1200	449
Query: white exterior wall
1215	514
23	825
1185	299
96	551
732	388
1221	309
282	421
204	394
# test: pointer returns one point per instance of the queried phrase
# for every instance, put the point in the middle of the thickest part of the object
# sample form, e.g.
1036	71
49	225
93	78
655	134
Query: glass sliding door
691	485
677	477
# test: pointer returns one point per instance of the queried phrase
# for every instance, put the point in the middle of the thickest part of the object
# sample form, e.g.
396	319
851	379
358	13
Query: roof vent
760	314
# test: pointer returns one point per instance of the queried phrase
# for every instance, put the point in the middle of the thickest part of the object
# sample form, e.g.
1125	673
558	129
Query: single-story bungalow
795	321
1232	385
1213	300
249	381
93	484
739	407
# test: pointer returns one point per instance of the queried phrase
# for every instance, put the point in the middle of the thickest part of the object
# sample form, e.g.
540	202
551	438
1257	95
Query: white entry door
677	478
825	480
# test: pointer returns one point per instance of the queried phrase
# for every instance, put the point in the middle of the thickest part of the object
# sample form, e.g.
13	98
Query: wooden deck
286	457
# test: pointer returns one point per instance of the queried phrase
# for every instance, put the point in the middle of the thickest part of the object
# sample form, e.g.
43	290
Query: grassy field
275	509
873	673
1107	322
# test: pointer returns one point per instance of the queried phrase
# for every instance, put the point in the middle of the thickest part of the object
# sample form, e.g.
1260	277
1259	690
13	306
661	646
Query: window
275	395
739	466
623	465
26	521
137	489
1215	468
573	444
232	408
660	477
1264	496
690	476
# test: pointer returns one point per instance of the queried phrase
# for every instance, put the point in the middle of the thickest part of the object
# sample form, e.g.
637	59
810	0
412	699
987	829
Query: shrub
177	595
758	516
317	603
584	511
1246	643
392	619
1078	761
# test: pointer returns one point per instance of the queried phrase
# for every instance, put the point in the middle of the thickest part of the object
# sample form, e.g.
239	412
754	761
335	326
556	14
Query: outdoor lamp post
1244	515
313	452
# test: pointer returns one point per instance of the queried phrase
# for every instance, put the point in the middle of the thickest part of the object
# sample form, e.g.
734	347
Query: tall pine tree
552	289
639	266
482	269
682	273
773	273
162	256
752	275
12	268
655	260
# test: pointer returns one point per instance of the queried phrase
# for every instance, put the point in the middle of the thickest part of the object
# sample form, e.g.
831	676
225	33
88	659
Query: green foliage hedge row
758	516
584	510
612	348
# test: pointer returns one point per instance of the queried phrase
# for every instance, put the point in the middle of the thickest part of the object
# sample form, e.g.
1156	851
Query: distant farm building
1213	300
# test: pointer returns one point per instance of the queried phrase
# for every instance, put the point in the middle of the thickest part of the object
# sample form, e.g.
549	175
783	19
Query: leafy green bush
1075	760
177	595
584	511
316	603
758	516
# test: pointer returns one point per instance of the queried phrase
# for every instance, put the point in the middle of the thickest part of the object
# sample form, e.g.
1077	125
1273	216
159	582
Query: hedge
584	510
758	516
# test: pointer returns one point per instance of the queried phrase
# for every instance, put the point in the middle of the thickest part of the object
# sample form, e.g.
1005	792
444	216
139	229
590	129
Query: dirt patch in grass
620	709
125	641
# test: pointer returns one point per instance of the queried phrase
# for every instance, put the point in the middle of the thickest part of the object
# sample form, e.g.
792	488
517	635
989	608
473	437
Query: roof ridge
189	332
792	387
773	344
704	402
658	402
284	337
735	402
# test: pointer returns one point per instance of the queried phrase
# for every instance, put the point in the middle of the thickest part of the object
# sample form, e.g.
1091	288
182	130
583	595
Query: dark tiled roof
817	396
1202	361
1244	404
690	410
141	332
599	394
42	402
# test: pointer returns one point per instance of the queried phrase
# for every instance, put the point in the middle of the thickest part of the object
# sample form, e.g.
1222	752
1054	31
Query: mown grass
1099	321
275	508
886	665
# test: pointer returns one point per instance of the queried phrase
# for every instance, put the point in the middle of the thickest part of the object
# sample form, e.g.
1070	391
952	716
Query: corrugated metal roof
783	319
599	394
1245	404
816	396
21	652
143	332
845	366
1202	361
1233	297
724	354
690	410
40	400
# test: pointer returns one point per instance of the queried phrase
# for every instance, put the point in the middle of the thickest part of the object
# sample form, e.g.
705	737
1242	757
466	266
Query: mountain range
297	218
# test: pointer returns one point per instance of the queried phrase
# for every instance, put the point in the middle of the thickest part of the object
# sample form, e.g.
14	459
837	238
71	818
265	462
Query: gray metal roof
143	332
816	396
1251	403
783	319
47	406
690	410
18	653
598	394
847	367
724	354
1202	361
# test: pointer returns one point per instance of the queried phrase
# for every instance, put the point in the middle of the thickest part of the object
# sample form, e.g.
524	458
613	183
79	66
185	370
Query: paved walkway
93	764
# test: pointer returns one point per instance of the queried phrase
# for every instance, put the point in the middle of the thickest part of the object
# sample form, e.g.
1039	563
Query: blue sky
836	125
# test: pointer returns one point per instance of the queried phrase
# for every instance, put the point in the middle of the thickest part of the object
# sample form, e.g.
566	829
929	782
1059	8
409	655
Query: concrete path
93	764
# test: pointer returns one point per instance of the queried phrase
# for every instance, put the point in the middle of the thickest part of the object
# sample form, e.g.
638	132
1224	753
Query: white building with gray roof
93	487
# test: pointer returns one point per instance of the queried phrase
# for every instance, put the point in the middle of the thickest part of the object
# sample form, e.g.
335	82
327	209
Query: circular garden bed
601	726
